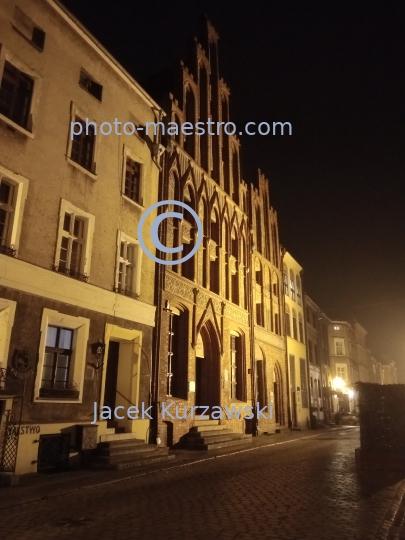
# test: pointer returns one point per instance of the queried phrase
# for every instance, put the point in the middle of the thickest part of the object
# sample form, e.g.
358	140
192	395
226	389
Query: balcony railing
71	273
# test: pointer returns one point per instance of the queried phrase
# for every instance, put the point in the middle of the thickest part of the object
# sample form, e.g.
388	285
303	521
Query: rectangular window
295	332
16	94
339	347
292	373
126	269
285	280
288	324
133	180
92	87
233	367
178	346
301	329
237	378
83	146
277	323
304	385
316	354
62	354
13	193
57	363
341	372
28	28
310	351
7	208
74	242
71	254
292	286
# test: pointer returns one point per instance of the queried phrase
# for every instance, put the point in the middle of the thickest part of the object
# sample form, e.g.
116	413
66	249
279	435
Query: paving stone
307	489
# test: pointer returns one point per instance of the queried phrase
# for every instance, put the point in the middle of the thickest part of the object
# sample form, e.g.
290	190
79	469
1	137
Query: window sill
134	203
71	274
129	294
15	126
57	400
82	169
59	394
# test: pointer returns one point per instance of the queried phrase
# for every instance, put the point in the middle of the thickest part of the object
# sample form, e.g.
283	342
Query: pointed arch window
225	147
235	175
235	266
215	252
203	214
203	139
259	293
188	234
244	270
189	140
258	229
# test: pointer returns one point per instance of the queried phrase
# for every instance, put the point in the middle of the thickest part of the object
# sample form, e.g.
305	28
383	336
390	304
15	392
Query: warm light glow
338	384
350	393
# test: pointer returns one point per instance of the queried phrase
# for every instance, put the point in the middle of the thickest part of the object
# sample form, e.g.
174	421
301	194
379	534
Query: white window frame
292	285
342	370
136	275
340	341
7	314
75	111
21	190
81	327
66	206
128	152
6	55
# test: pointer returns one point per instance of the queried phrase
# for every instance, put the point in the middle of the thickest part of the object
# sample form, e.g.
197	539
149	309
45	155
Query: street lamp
338	384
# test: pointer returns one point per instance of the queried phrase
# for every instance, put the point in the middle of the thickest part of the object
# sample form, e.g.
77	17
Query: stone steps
209	435
234	441
127	453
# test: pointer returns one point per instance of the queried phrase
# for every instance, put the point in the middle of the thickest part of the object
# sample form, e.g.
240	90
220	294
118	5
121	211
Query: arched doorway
207	383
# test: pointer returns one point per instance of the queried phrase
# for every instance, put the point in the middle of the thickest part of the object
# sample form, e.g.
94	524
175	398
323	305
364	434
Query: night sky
336	71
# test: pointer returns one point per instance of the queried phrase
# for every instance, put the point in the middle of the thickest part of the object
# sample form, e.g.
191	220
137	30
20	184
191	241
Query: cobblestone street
301	488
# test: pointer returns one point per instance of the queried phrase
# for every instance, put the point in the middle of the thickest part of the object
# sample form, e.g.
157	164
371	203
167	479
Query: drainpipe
159	283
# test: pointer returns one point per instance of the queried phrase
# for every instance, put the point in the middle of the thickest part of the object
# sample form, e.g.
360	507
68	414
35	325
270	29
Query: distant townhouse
316	323
299	397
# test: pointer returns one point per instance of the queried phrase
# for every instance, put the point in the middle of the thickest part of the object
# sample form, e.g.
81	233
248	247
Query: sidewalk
36	487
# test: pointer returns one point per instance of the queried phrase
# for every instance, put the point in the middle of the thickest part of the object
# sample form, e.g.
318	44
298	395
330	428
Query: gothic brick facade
214	346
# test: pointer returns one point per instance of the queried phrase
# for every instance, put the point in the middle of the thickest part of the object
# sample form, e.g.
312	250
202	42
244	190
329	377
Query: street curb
40	498
394	518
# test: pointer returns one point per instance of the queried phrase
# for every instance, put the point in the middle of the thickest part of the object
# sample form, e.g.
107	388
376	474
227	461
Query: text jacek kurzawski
248	412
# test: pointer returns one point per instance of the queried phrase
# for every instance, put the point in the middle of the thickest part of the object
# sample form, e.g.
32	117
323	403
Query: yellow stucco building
299	412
